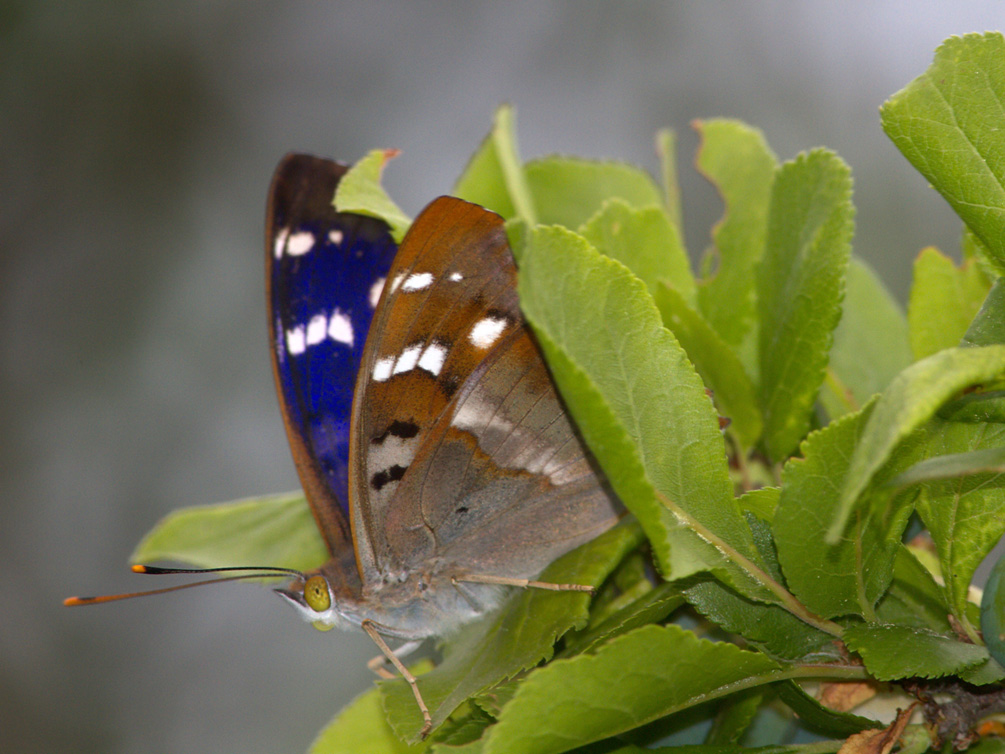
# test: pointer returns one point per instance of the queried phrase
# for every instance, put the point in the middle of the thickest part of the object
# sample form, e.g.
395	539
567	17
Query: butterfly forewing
464	450
325	271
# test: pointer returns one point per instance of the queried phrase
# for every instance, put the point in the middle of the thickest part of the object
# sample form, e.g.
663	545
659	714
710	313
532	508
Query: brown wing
464	451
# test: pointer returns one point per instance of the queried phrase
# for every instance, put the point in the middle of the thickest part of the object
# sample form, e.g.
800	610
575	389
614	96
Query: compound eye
316	594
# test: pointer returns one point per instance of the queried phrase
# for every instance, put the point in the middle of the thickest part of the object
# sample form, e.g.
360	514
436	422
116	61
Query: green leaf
762	502
277	530
982	406
988	327
652	607
517	637
953	466
894	652
769	627
737	160
965	515
569	191
765	542
947	123
993	611
734	718
463	732
914	599
911	399
360	191
635	679
645	241
818	717
988	746
984	674
870	343
494	176
716	362
361	726
631	582
639	404
972	248
944	300
850	576
800	283
666	148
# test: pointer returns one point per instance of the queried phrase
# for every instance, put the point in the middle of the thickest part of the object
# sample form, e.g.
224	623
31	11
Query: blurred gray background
137	144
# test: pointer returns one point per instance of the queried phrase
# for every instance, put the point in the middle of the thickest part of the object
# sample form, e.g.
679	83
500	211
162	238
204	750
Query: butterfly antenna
257	572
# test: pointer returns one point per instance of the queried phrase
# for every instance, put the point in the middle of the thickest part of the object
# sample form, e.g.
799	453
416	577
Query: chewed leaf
666	147
360	191
948	122
737	159
270	531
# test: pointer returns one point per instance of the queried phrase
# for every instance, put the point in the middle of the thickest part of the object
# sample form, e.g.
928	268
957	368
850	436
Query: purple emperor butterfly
437	458
464	470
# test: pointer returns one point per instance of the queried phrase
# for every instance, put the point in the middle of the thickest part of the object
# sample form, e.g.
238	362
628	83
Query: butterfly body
462	461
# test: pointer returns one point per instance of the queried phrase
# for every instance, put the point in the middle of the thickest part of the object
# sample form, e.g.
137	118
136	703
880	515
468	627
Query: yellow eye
316	594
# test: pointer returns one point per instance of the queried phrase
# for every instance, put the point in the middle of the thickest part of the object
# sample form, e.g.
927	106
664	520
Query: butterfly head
315	600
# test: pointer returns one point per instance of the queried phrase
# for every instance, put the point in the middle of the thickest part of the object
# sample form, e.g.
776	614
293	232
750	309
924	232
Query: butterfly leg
371	628
376	664
522	583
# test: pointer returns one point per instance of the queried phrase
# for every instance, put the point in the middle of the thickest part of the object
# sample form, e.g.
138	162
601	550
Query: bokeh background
136	145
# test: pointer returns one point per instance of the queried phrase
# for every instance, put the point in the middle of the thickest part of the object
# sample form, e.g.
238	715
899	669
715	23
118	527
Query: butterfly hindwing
463	449
324	273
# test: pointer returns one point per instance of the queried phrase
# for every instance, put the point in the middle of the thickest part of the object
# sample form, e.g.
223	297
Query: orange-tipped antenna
259	571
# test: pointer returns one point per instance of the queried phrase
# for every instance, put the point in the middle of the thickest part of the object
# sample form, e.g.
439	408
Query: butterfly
454	466
434	451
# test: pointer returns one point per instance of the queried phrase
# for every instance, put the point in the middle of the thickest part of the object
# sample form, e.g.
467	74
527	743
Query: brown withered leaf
846	696
878	741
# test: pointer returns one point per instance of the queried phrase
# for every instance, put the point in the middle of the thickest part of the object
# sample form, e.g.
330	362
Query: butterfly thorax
416	605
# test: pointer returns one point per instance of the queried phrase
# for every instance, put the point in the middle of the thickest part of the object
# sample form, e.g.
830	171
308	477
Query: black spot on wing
448	385
404	430
392	474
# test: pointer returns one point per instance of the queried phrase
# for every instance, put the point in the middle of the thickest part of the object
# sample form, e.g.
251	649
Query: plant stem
740	458
841	391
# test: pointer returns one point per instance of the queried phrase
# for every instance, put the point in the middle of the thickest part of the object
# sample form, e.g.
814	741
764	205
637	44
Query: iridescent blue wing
324	272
